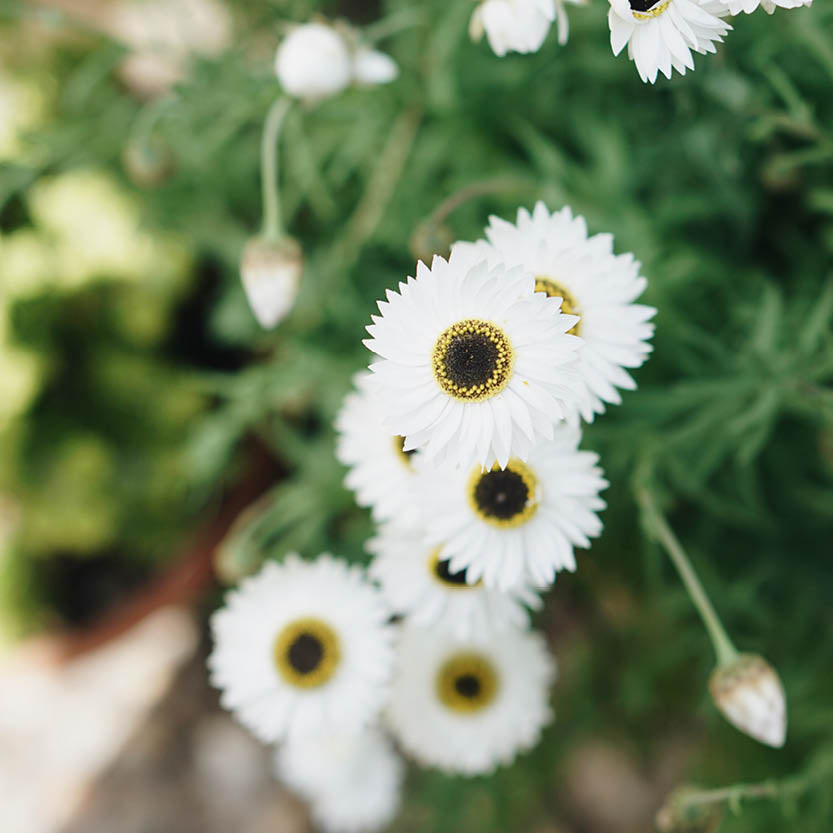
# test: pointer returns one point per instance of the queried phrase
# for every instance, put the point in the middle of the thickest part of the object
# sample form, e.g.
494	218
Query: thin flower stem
392	24
473	191
272	226
659	528
765	789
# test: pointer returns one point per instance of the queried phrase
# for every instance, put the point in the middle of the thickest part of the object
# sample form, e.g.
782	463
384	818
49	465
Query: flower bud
680	814
147	163
749	694
313	62
271	273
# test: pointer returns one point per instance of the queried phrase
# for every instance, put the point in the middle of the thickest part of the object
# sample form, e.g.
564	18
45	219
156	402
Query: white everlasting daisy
596	285
381	474
352	779
513	25
519	524
475	367
419	585
302	645
662	34
467	708
769	6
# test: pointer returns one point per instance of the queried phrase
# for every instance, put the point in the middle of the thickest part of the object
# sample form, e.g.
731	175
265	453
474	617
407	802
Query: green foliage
721	182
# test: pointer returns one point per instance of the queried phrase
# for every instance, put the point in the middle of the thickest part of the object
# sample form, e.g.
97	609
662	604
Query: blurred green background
137	392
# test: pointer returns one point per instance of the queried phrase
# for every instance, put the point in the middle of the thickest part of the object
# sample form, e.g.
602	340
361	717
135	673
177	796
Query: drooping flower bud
681	814
749	694
147	163
271	274
317	60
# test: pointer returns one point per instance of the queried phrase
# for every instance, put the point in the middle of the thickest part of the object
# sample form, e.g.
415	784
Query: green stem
394	23
272	226
659	528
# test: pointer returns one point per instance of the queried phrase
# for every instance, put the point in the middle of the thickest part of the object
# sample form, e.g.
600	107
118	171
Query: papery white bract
475	367
595	284
769	6
302	645
317	60
518	525
271	274
513	25
420	586
467	708
662	35
381	474
352	779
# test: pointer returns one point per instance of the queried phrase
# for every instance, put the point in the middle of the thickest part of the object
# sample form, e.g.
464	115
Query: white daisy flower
352	779
316	61
519	524
595	284
419	585
475	367
302	645
661	34
468	708
381	474
769	6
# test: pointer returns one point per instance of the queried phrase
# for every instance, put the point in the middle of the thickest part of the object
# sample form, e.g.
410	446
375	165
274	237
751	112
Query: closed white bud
271	274
317	61
749	694
513	25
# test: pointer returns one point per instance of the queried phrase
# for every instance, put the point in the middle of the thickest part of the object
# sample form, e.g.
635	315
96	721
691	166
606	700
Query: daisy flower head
381	474
594	284
421	586
352	779
662	34
520	524
474	366
467	708
302	645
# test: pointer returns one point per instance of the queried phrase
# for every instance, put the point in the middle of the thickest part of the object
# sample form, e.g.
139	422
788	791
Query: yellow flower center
504	497
306	653
467	683
472	360
553	289
642	13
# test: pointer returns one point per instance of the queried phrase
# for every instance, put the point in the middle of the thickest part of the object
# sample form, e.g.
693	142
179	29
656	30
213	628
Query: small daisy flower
596	285
769	6
352	779
661	34
467	708
419	585
518	524
271	274
475	367
316	61
302	645
381	473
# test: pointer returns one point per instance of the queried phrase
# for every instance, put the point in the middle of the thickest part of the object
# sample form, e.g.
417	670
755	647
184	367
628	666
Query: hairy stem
272	226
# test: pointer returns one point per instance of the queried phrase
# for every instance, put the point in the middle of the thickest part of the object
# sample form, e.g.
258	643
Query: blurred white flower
513	25
302	646
352	778
271	274
419	585
661	34
594	283
467	708
381	474
316	61
749	694
769	6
